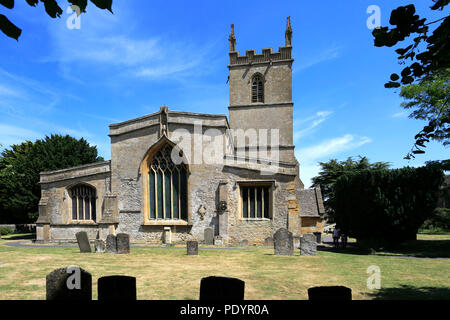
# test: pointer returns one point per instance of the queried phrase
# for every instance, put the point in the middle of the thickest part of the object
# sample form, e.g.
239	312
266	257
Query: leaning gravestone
123	243
221	288
83	242
192	248
209	236
268	242
243	243
330	293
308	245
283	242
71	283
99	246
111	243
116	288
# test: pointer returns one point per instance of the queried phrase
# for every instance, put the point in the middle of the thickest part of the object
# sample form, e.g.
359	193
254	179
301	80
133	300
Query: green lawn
171	274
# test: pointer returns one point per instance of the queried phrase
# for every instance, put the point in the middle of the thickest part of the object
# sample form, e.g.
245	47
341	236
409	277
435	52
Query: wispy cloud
13	135
401	114
311	123
309	156
330	53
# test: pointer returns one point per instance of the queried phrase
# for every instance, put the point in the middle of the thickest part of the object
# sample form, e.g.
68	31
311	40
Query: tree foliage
425	56
21	164
51	8
385	207
334	169
430	99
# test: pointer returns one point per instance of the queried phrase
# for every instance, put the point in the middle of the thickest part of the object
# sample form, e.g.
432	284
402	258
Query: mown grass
171	274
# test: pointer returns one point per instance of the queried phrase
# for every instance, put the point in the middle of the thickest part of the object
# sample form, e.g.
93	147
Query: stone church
172	174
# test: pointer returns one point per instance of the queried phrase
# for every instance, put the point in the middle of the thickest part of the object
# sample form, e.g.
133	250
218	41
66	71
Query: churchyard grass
171	274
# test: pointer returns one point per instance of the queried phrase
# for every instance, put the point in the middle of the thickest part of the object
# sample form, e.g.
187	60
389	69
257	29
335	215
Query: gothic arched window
83	202
167	187
257	88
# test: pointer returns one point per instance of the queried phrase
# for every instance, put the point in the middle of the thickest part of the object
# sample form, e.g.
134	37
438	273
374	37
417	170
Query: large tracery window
83	202
257	89
167	187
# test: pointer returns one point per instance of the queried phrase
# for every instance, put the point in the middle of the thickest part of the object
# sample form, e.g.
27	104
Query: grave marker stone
192	247
111	243
330	293
123	243
221	288
99	246
71	283
117	288
308	245
209	236
283	242
83	242
268	242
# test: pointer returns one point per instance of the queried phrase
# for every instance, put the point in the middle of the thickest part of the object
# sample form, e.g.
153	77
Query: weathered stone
83	242
283	242
99	246
123	243
218	241
330	293
71	283
268	242
117	288
221	288
111	243
209	236
308	245
243	243
192	247
296	242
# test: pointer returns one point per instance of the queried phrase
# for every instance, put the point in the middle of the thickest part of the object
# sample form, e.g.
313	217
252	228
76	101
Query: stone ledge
166	223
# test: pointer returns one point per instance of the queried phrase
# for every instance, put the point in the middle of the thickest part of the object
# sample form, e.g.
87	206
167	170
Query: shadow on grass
20	236
415	248
405	292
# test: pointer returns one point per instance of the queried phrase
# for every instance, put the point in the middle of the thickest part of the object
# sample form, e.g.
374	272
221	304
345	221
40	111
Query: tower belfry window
257	89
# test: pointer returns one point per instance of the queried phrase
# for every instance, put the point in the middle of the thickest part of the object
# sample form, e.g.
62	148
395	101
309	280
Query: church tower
261	92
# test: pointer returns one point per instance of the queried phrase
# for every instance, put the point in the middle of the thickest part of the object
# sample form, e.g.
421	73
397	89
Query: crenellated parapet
267	56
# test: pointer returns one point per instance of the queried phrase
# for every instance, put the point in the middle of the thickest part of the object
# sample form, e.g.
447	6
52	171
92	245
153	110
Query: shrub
385	207
439	221
5	230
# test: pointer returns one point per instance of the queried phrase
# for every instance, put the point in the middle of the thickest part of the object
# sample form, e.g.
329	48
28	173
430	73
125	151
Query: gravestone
221	288
116	288
71	283
296	242
243	242
268	242
330	293
209	236
308	245
99	246
318	237
111	243
83	242
283	242
192	247
218	241
123	243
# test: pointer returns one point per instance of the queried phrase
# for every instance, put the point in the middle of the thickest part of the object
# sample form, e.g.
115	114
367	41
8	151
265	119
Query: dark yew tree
21	164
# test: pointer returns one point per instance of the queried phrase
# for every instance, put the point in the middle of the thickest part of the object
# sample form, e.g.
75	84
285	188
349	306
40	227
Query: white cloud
311	123
401	114
309	156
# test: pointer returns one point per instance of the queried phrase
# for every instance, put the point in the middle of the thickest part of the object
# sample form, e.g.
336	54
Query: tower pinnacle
232	39
288	32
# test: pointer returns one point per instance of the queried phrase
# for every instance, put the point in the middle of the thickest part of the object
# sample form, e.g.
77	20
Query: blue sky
151	53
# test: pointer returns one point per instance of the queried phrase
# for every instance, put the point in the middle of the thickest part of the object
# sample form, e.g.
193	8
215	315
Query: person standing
344	240
336	235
